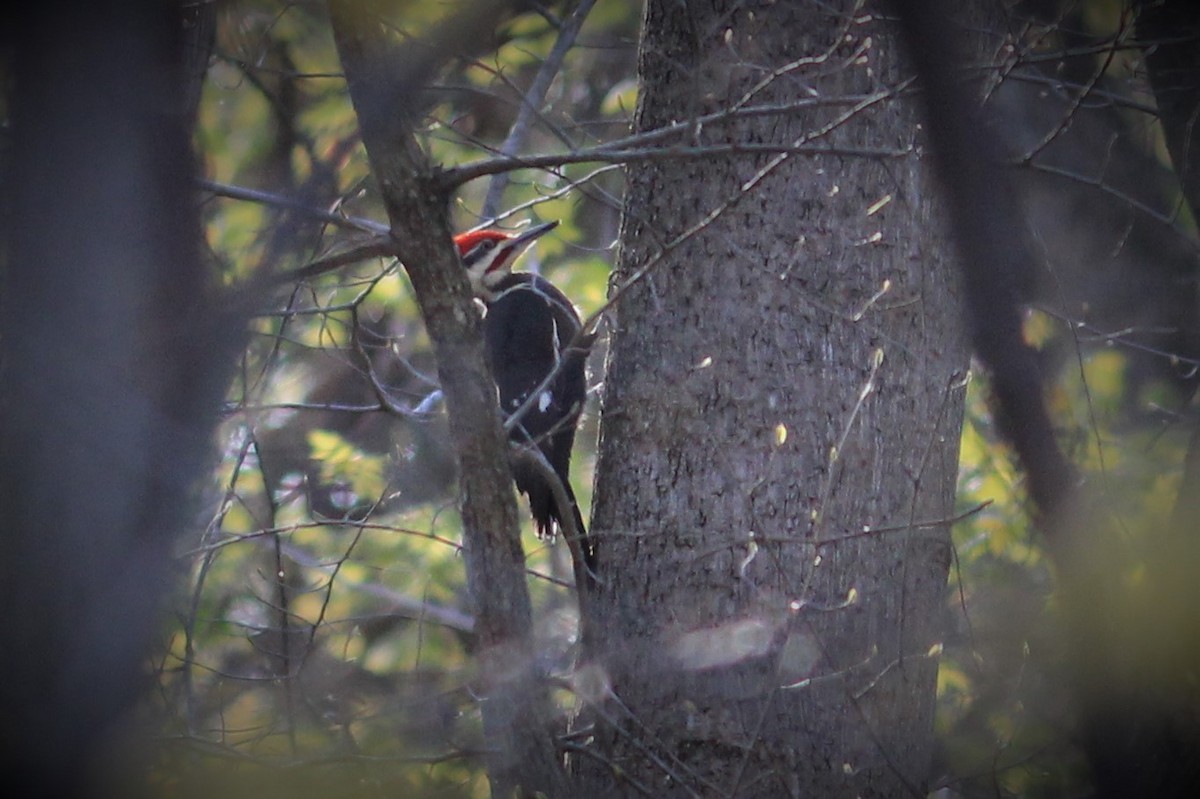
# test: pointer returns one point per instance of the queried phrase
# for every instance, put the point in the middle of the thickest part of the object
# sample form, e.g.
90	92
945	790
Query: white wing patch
544	401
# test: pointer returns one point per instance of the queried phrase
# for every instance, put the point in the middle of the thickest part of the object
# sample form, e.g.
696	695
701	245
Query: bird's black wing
530	331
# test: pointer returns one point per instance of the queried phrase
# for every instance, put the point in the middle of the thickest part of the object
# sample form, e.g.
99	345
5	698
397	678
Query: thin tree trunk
780	426
386	84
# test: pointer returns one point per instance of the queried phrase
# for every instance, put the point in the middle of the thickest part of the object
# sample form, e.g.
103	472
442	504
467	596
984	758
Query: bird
532	334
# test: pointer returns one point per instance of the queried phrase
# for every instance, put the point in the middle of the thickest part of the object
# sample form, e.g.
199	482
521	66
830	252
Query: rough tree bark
780	425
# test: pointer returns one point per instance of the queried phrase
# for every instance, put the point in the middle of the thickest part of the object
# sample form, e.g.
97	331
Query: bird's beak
527	237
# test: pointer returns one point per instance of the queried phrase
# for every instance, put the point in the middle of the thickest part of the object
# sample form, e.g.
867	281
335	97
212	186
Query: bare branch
637	147
606	154
380	246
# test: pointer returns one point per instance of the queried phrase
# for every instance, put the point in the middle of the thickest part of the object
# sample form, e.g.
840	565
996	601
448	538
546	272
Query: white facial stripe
479	259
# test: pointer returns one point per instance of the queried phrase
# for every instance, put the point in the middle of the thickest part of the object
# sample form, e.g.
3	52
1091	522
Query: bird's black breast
529	329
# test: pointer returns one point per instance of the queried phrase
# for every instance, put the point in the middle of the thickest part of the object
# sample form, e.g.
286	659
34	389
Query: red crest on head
489	254
466	241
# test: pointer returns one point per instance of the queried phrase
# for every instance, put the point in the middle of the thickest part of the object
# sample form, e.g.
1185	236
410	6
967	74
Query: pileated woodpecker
530	329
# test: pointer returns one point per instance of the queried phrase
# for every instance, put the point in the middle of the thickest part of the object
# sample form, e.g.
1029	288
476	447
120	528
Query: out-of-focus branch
1170	29
991	234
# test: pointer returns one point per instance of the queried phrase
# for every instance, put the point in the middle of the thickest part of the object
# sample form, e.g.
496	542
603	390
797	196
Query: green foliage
342	462
1004	719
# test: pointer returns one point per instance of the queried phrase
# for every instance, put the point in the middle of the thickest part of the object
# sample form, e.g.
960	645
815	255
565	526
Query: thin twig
608	153
533	98
292	204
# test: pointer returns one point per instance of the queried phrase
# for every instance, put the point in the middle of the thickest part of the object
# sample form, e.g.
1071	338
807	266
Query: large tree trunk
780	425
